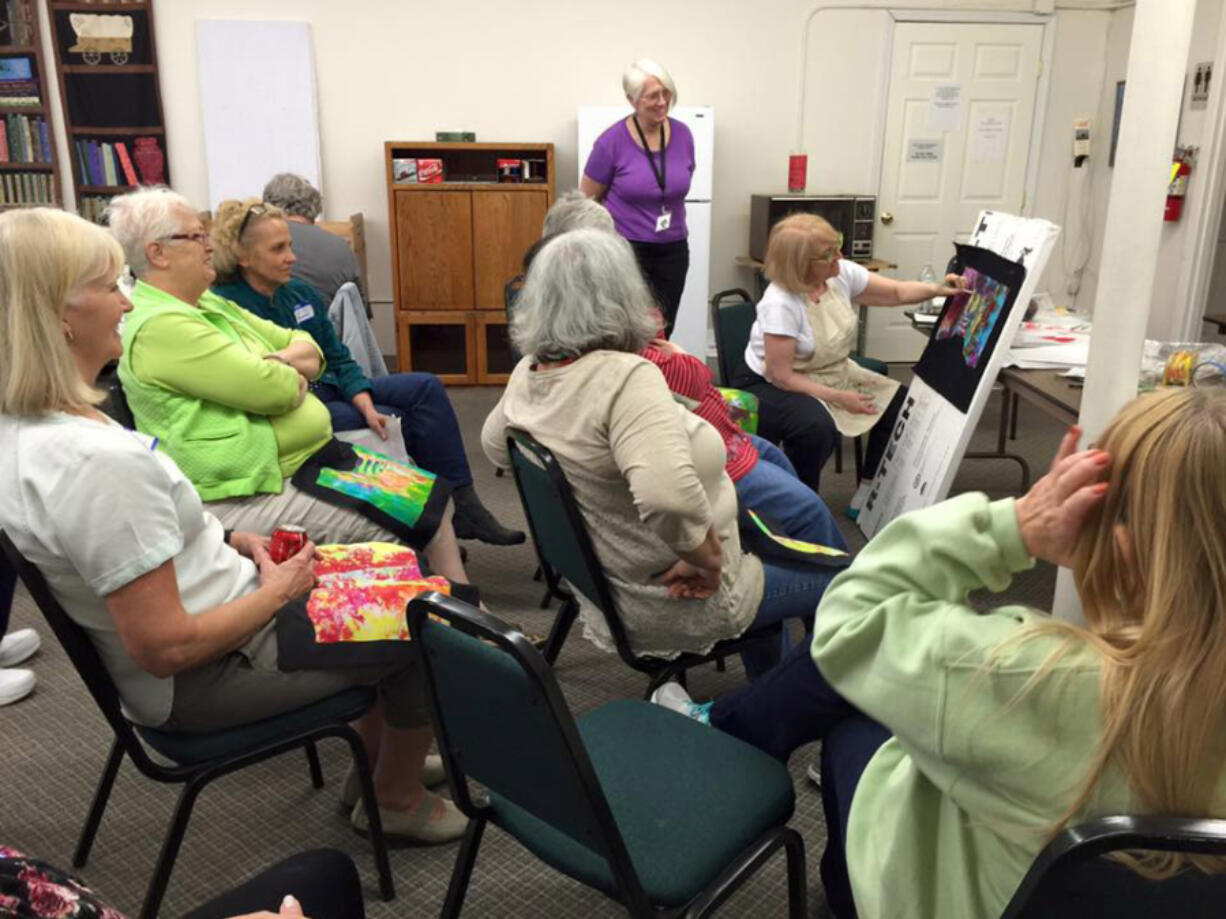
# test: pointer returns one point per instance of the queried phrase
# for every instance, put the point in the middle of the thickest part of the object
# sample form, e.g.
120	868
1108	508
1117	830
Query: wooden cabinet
505	224
455	245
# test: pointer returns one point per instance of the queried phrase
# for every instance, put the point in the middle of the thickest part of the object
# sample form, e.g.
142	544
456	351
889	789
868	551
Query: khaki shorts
246	686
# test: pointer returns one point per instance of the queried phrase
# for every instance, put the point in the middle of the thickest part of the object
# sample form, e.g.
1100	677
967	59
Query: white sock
857	500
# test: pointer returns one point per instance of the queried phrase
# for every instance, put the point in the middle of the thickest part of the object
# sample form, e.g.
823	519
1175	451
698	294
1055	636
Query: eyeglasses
256	210
831	253
203	238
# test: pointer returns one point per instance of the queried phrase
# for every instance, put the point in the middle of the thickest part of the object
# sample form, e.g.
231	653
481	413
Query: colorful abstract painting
396	489
362	591
744	408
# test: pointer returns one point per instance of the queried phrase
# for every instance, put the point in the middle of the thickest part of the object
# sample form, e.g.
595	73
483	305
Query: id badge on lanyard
665	220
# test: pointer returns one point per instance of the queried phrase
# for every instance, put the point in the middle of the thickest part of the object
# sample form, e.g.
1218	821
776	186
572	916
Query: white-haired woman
640	168
648	474
182	612
225	391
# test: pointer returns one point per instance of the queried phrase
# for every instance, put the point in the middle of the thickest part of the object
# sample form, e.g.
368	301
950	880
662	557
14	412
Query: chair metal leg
561	628
170	846
538	574
798	887
1013	417
463	870
101	796
838	457
317	773
361	763
858	448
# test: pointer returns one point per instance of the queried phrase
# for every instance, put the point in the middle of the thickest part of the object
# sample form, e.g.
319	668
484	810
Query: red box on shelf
429	171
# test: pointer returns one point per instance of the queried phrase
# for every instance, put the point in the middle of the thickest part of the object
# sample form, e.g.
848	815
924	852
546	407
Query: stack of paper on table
1052	340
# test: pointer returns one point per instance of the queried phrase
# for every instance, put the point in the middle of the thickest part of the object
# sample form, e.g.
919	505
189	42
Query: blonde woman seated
224	391
955	742
182	617
798	361
648	474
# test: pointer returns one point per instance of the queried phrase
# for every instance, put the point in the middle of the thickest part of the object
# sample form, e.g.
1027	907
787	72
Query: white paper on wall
945	107
257	94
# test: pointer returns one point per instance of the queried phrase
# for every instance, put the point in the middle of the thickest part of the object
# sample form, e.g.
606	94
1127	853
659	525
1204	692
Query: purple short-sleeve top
633	195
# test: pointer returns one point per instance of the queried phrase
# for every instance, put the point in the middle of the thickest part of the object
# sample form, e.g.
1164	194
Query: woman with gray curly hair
648	475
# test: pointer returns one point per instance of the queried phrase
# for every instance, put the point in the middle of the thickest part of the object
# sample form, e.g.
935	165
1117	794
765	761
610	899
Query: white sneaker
815	774
673	696
15	685
17	646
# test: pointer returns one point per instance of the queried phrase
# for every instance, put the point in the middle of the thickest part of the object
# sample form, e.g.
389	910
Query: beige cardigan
649	478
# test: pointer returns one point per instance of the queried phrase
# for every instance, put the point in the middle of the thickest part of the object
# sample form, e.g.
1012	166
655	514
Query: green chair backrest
500	714
732	322
557	524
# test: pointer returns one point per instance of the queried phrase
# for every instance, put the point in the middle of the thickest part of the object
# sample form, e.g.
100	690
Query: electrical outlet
1202	76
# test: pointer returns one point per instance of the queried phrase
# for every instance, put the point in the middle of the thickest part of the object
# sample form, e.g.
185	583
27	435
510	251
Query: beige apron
833	321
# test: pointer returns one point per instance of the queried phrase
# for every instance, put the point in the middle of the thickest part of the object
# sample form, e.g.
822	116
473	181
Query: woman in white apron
798	361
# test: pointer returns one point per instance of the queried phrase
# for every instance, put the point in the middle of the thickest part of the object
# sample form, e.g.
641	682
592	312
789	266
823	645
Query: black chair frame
1085	842
658	670
481	625
193	777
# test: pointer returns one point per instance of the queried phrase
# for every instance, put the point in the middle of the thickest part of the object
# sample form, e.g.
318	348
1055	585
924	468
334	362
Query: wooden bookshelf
21	39
107	68
455	245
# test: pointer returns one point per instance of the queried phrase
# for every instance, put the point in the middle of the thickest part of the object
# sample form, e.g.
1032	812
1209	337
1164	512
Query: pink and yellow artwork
362	592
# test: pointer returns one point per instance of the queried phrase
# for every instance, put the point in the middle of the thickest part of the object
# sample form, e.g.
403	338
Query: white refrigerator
692	327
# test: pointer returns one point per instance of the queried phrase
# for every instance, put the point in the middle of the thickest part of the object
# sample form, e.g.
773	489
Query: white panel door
958	125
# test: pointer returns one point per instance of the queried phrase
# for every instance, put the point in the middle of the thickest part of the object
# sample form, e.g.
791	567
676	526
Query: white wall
394	70
1177	247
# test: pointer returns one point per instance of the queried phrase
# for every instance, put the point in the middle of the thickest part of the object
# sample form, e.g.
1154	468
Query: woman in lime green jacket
956	743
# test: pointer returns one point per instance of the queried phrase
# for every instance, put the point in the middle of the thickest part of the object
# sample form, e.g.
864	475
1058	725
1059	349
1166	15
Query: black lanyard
661	173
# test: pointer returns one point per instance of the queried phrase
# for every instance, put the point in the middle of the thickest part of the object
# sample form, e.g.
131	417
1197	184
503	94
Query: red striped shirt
690	378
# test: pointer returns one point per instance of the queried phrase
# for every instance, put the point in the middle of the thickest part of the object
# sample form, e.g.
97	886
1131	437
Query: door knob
887	217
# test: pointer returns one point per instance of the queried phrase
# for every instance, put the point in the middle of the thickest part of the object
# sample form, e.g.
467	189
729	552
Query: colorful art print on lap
362	592
764	538
398	490
970	325
402	498
743	407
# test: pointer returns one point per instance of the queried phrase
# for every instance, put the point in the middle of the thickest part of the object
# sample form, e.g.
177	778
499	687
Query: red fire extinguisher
1177	189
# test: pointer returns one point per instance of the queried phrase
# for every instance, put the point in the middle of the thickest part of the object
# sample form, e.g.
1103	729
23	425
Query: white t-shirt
94	508
783	313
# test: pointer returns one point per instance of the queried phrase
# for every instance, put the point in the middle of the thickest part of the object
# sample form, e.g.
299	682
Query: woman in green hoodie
957	743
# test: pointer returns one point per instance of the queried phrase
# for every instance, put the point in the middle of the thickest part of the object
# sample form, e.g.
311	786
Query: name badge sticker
303	312
664	221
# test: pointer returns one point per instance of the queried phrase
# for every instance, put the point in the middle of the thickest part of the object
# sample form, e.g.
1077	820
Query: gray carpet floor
55	743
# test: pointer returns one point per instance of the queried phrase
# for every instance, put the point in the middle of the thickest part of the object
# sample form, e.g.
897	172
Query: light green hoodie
952	810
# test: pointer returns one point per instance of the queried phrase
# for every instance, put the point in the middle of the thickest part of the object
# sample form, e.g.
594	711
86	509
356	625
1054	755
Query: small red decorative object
150	161
287	541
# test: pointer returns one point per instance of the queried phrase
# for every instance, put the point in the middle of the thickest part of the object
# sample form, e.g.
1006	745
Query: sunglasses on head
256	210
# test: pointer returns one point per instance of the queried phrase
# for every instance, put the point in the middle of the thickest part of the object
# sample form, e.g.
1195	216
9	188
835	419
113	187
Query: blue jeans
791	706
431	432
788	593
8	584
772	488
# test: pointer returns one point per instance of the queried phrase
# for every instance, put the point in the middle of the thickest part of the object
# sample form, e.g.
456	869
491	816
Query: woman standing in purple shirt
640	169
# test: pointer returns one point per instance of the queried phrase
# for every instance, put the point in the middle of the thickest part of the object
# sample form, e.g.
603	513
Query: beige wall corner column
1157	59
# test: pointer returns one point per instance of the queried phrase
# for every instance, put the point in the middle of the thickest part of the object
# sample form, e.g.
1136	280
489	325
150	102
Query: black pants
664	266
806	430
324	881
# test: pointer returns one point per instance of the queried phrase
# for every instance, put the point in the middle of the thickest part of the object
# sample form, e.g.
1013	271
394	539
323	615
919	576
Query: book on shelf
125	162
4	141
108	165
24	140
18	13
26	188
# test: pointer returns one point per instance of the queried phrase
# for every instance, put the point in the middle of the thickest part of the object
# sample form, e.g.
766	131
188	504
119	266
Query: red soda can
287	541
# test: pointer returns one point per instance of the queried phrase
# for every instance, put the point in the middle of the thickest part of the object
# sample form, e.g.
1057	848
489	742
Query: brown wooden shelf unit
30	172
107	67
455	245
